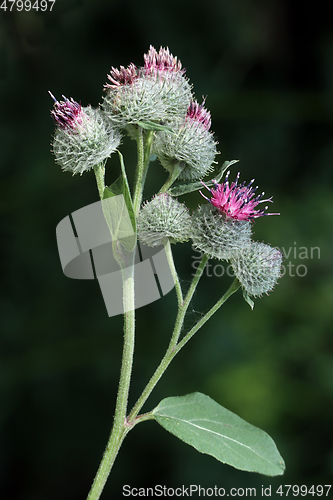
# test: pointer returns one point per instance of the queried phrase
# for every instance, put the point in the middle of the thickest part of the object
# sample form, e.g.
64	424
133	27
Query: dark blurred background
267	71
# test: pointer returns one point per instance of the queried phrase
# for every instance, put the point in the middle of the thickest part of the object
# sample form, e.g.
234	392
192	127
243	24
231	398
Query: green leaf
248	299
199	421
182	187
148	125
119	215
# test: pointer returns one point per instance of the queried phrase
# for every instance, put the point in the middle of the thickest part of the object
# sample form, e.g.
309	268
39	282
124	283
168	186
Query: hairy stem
171	351
232	289
100	175
184	307
119	429
140	172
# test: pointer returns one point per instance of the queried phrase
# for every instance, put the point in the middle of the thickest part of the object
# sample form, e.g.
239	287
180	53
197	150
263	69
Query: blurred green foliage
267	70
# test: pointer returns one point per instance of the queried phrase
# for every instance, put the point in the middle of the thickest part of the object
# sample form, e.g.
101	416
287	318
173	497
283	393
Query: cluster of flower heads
221	229
232	209
156	93
159	97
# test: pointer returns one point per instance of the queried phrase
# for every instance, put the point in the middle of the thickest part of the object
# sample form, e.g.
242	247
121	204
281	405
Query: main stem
119	429
128	348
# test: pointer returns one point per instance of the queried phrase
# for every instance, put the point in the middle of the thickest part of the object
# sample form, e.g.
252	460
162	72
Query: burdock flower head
163	218
258	268
223	228
157	92
191	147
237	201
82	138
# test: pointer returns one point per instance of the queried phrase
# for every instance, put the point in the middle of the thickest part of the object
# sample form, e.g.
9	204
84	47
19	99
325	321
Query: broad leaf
208	427
181	187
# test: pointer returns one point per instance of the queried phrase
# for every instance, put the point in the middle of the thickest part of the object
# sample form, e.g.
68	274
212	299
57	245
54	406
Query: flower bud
217	236
192	145
82	138
258	268
161	218
157	92
176	92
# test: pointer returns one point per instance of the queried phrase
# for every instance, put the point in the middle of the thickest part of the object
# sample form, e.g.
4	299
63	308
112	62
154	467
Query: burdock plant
155	105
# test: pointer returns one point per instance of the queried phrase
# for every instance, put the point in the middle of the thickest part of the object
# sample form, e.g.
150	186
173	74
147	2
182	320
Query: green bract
217	236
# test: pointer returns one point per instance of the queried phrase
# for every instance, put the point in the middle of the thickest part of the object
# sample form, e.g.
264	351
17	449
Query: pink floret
67	114
237	201
199	113
162	60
